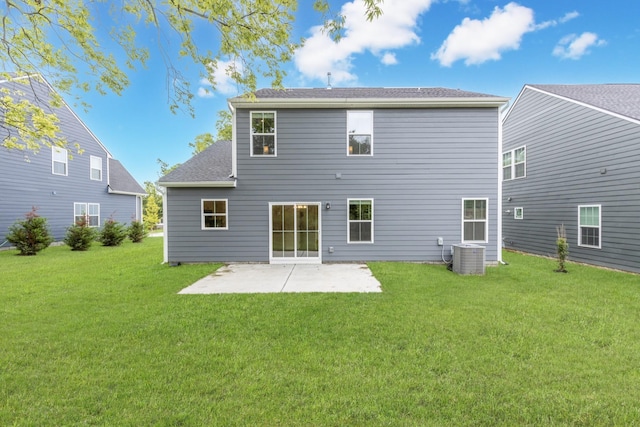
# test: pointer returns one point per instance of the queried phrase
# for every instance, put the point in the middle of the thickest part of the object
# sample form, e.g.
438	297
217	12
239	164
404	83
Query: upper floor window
214	214
589	220
514	164
96	168
59	161
89	212
474	220
359	133
360	221
263	133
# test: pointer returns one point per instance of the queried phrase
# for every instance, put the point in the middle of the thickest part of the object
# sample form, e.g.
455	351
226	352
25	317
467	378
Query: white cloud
480	41
574	47
394	29
222	79
554	22
569	16
204	92
389	59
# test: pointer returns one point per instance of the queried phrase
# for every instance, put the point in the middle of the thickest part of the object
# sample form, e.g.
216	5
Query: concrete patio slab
267	278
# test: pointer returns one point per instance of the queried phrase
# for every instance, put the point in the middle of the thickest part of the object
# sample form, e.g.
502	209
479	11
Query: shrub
80	236
136	231
562	249
30	235
113	233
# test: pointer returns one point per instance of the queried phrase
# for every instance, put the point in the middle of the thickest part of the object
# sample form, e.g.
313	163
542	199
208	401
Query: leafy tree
201	143
61	41
30	235
80	236
113	233
224	126
152	206
165	168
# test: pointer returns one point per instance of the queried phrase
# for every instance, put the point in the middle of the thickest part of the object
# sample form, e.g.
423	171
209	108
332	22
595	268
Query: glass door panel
295	232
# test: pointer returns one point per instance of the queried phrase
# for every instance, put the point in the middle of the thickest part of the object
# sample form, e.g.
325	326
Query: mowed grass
102	338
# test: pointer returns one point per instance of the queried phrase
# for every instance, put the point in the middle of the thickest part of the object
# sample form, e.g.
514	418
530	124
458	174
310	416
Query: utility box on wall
468	259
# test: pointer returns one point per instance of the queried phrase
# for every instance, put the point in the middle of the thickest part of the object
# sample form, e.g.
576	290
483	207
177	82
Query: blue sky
485	46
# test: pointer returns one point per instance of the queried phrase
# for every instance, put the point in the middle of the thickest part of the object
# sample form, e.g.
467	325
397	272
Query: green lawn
102	338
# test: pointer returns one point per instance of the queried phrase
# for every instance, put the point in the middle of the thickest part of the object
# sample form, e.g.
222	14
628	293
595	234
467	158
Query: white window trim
91	168
349	221
515	213
599	227
275	134
202	215
86	212
57	150
486	221
371	133
512	166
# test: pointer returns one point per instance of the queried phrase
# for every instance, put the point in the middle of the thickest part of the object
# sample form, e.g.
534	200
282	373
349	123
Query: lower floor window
214	214
474	220
88	213
589	225
360	221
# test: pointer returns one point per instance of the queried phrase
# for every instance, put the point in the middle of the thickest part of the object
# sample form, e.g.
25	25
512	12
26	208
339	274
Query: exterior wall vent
468	259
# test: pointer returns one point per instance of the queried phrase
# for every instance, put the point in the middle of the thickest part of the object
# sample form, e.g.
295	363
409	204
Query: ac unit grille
468	259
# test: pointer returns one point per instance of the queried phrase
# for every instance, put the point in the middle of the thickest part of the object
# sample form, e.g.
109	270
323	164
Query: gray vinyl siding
568	146
425	162
26	180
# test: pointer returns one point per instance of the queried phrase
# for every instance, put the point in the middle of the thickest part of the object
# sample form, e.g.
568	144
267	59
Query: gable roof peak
617	98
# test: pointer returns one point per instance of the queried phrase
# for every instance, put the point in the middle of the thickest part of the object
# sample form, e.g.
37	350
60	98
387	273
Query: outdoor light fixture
328	205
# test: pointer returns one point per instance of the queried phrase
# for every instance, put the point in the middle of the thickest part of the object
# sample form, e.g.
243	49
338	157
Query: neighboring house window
59	161
88	211
514	164
589	221
360	221
214	214
359	133
518	213
263	133
96	168
506	165
474	220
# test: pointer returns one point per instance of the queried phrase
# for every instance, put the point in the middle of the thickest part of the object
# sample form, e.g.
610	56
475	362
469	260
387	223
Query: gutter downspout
501	111
165	227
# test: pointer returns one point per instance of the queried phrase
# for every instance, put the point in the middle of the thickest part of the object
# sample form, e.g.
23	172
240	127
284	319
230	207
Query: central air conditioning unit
468	259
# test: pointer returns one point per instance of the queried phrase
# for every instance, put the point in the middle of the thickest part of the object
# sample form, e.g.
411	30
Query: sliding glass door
295	232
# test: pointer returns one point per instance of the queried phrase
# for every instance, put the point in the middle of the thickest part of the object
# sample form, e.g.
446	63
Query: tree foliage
152	206
74	45
30	235
113	233
80	236
201	143
224	127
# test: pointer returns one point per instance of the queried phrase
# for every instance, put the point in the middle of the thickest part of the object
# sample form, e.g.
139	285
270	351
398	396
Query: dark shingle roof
210	165
362	92
121	181
623	99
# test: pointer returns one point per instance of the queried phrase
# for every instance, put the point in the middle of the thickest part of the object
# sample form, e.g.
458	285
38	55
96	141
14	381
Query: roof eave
477	102
200	184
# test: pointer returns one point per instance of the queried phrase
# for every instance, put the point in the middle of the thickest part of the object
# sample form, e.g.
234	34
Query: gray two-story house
572	157
342	174
64	184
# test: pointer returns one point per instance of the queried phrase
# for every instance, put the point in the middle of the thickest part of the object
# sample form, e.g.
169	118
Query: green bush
30	235
80	236
113	233
136	231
